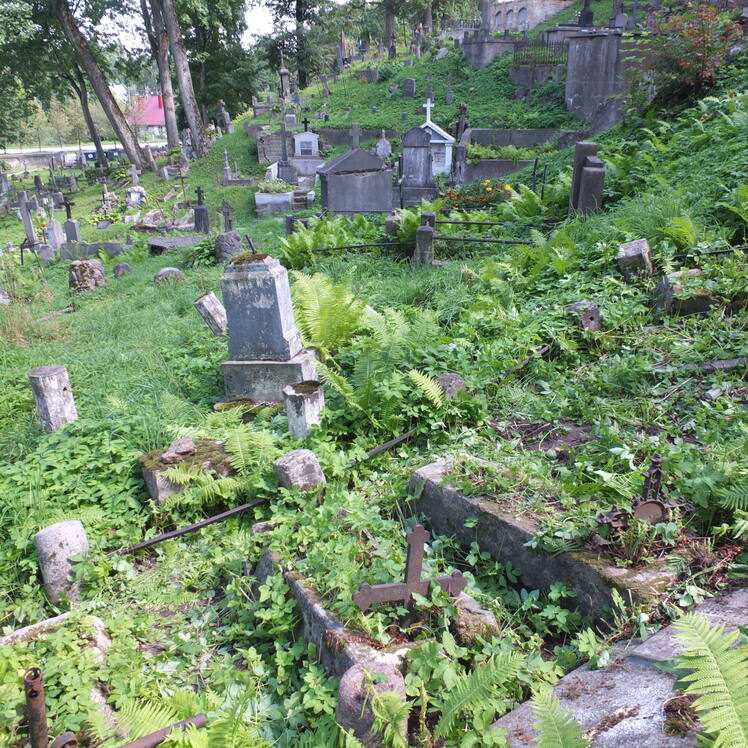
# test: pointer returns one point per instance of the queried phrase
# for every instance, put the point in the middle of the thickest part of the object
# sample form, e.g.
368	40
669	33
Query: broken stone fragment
451	384
169	274
228	245
86	275
300	469
355	712
634	258
54	547
122	269
178	450
586	314
473	621
671	296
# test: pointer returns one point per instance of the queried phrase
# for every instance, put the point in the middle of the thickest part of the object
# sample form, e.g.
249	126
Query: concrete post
213	312
54	547
424	251
304	404
428	218
54	396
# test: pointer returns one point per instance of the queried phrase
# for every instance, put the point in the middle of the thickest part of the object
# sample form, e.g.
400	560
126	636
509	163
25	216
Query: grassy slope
144	369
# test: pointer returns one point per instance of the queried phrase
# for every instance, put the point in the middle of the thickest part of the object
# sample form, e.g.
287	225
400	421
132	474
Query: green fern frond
249	448
141	718
735	498
390	715
556	727
338	383
718	672
476	688
183	474
430	387
740	526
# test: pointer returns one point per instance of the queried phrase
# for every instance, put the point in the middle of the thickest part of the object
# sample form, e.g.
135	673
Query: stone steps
625	701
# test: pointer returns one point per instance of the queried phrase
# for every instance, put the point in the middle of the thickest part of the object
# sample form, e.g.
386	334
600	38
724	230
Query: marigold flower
489	189
507	186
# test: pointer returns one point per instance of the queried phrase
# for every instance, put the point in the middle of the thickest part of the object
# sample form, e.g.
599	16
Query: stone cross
226	164
200	194
368	594
428	106
228	222
28	225
284	145
134	175
306	122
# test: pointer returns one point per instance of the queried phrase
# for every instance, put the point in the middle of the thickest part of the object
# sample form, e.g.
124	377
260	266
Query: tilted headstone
28	224
224	117
409	88
55	235
4	184
213	312
634	258
384	148
54	396
325	87
264	346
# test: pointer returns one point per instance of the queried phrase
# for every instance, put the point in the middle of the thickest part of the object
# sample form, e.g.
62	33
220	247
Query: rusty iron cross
368	594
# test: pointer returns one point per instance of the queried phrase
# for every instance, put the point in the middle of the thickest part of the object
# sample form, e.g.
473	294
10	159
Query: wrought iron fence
537	53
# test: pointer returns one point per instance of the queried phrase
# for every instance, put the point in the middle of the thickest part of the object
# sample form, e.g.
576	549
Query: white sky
258	23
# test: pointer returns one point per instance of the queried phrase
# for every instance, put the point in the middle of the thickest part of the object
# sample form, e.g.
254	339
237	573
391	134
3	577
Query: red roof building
146	114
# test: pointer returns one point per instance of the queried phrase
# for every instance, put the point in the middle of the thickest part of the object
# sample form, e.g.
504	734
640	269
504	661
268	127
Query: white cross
428	106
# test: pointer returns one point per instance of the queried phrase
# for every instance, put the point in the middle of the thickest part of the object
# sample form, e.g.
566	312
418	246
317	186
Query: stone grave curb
628	696
322	628
504	536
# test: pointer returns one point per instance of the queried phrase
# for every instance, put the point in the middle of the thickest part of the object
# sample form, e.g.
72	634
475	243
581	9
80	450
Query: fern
476	688
390	712
430	387
250	449
718	672
735	498
740	526
557	728
141	718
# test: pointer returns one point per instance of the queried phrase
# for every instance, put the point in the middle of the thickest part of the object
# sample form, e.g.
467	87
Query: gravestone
121	269
429	95
228	245
355	136
55	235
134	175
304	403
226	216
168	274
227	175
202	219
28	224
634	258
224	117
409	88
384	148
213	312
416	177
306	144
54	547
265	350
290	120
582	151
286	171
163	172
150	158
135	196
591	186
38	184
4	184
325	87
72	230
299	469
356	182
54	397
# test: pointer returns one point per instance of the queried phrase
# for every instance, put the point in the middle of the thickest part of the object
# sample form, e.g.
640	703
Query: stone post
54	547
582	151
54	396
304	404
634	258
424	251
586	314
212	311
591	185
428	218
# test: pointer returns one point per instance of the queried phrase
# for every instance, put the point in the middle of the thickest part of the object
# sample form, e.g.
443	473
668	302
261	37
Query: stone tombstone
264	343
227	174
202	218
4	184
304	403
429	95
72	230
591	186
417	158
168	274
409	88
384	148
121	269
634	258
135	196
28	224
163	172
586	314
228	245
290	120
54	396
224	117
55	236
306	144
86	275
356	182
325	87
134	175
582	150
212	312
58	200
38	184
54	547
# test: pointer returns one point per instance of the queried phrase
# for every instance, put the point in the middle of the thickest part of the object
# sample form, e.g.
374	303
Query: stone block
671	298
586	315
473	621
634	258
505	536
213	312
208	454
54	396
160	244
257	297
451	383
264	380
122	269
54	547
299	469
272	204
354	712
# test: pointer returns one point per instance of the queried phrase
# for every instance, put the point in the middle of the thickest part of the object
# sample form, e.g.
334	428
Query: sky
258	22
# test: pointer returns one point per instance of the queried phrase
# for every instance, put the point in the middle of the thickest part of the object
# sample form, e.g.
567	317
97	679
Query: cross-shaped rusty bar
368	594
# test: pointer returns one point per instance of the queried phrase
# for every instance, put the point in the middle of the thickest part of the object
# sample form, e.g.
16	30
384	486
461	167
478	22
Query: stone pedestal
304	404
54	396
264	380
54	546
424	251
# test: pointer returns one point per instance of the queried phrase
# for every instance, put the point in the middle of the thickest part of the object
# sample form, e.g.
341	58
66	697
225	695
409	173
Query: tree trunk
184	77
203	100
98	82
80	88
390	20
427	17
159	41
301	73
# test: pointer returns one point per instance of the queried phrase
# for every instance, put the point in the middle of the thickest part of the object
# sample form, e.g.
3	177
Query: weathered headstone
591	186
55	236
28	224
135	196
54	396
264	344
586	314
409	88
202	219
228	245
285	86
134	175
86	275
325	87
355	136
54	547
634	258
227	175
384	148
224	117
582	150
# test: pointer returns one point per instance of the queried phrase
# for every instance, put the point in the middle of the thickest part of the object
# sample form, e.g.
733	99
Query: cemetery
397	400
